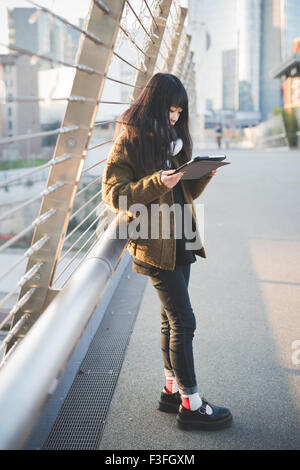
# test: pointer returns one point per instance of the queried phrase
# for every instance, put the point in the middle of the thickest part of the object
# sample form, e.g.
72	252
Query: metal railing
273	133
25	382
72	221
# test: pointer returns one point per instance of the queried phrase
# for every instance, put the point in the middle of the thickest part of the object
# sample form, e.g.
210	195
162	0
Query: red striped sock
171	385
185	402
191	402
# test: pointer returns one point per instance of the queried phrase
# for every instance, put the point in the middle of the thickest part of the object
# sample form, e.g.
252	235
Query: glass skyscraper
243	41
248	51
270	56
290	24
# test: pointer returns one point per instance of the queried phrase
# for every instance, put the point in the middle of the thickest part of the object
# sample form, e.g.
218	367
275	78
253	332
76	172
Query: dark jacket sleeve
197	186
119	180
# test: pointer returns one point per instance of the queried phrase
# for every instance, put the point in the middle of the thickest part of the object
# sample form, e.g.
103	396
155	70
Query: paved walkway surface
246	298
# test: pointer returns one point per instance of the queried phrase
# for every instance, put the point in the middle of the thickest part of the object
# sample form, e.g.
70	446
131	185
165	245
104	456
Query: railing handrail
29	375
273	137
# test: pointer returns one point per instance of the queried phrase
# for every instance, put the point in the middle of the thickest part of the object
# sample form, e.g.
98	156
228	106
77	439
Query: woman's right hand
170	180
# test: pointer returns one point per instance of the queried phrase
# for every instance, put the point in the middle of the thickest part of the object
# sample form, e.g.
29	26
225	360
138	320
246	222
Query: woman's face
174	114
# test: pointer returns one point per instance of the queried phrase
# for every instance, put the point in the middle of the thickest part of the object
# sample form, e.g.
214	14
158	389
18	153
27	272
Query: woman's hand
170	180
212	173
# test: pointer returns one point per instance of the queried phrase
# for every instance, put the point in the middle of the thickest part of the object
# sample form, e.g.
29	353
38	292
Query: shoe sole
168	407
192	425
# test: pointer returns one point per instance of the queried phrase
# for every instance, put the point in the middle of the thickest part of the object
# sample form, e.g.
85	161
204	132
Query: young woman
155	140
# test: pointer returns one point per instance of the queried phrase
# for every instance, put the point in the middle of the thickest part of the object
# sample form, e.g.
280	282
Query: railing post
176	40
180	67
190	84
94	56
153	44
187	67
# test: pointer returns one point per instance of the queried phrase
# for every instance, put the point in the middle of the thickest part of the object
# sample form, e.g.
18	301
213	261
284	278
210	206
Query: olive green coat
123	176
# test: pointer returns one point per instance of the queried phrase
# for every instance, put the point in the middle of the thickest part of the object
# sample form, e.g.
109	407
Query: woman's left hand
212	173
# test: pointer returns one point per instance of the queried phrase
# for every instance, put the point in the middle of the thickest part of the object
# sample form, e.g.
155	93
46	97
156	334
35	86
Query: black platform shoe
199	419
169	402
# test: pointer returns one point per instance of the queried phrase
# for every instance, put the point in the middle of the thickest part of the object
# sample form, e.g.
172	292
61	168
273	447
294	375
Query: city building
290	25
213	32
36	31
22	32
271	53
289	73
18	117
249	34
289	70
237	44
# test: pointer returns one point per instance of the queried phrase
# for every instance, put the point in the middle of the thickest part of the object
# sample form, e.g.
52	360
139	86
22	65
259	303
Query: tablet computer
201	165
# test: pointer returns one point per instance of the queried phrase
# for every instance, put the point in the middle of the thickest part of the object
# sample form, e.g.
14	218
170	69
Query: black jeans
178	324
